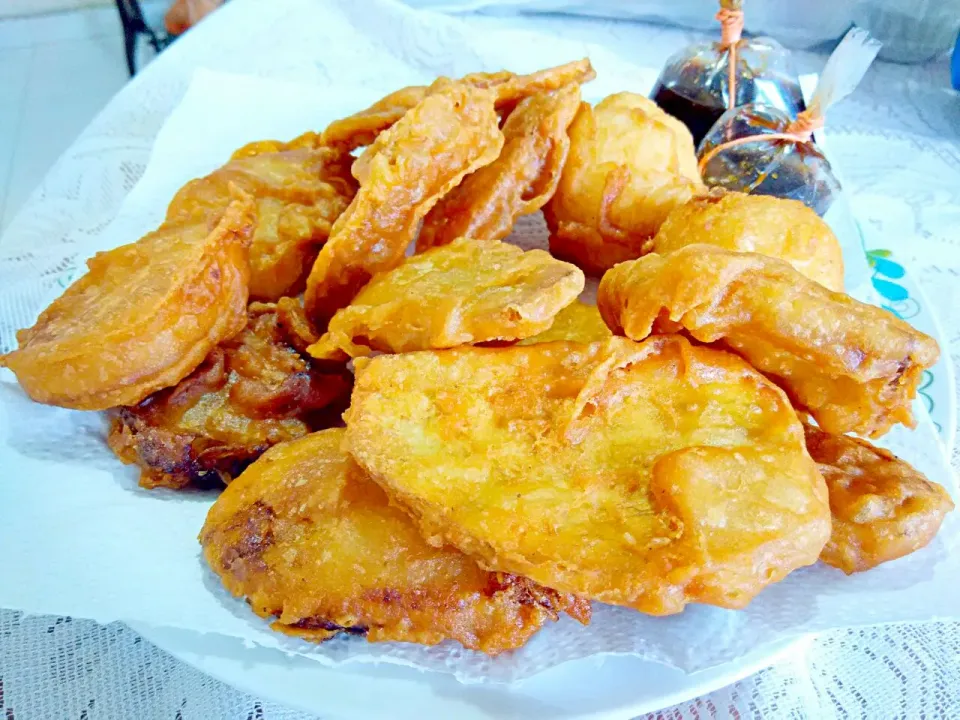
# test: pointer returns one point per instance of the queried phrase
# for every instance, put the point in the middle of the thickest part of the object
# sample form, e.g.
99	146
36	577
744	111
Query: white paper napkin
79	537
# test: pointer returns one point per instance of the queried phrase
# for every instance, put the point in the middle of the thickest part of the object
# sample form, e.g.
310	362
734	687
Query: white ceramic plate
616	687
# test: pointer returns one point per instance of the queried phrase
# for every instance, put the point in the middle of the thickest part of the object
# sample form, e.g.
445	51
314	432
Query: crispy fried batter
648	475
299	194
252	392
785	229
310	540
630	164
488	202
882	508
362	128
461	293
577	322
307	141
854	367
142	318
451	133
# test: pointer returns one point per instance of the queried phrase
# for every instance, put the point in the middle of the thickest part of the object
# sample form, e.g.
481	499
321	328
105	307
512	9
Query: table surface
897	140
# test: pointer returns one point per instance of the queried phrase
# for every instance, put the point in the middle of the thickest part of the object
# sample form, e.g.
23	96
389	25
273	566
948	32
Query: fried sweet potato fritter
630	164
362	128
525	175
451	133
648	475
462	293
299	193
142	318
310	540
883	509
251	393
854	367
577	322
785	229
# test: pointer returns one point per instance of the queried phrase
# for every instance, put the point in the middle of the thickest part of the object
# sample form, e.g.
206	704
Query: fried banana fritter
251	393
309	539
299	193
509	88
449	134
648	474
577	322
785	229
882	507
525	175
854	367
143	317
629	165
462	293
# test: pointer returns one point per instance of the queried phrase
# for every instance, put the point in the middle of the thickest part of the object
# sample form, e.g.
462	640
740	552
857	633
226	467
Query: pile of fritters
510	452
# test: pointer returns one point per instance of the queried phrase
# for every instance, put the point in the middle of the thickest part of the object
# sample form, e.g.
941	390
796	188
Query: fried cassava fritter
313	543
525	175
462	293
629	165
299	193
362	128
410	167
648	474
251	393
854	367
143	317
780	228
882	507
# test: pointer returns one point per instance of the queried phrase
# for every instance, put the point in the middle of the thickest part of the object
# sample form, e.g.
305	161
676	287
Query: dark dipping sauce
695	94
698	118
794	171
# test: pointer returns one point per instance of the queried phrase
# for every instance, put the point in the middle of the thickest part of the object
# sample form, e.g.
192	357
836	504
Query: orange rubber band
799	131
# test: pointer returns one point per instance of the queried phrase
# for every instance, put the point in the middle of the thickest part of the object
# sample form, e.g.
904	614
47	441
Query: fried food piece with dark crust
143	317
363	127
309	539
780	228
450	134
525	175
854	367
251	393
299	194
577	322
648	474
630	164
883	509
457	294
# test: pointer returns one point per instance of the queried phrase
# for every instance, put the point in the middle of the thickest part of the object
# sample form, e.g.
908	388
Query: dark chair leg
131	19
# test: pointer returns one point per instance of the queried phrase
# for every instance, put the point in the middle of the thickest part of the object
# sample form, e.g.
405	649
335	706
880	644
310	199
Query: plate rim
699	683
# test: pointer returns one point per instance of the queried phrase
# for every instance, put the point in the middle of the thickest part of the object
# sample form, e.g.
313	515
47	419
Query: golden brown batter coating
854	367
143	317
362	128
457	294
310	540
648	474
882	507
629	165
251	393
410	167
577	322
785	229
488	202
299	193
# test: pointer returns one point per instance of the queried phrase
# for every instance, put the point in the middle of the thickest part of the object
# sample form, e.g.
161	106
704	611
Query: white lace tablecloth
897	141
